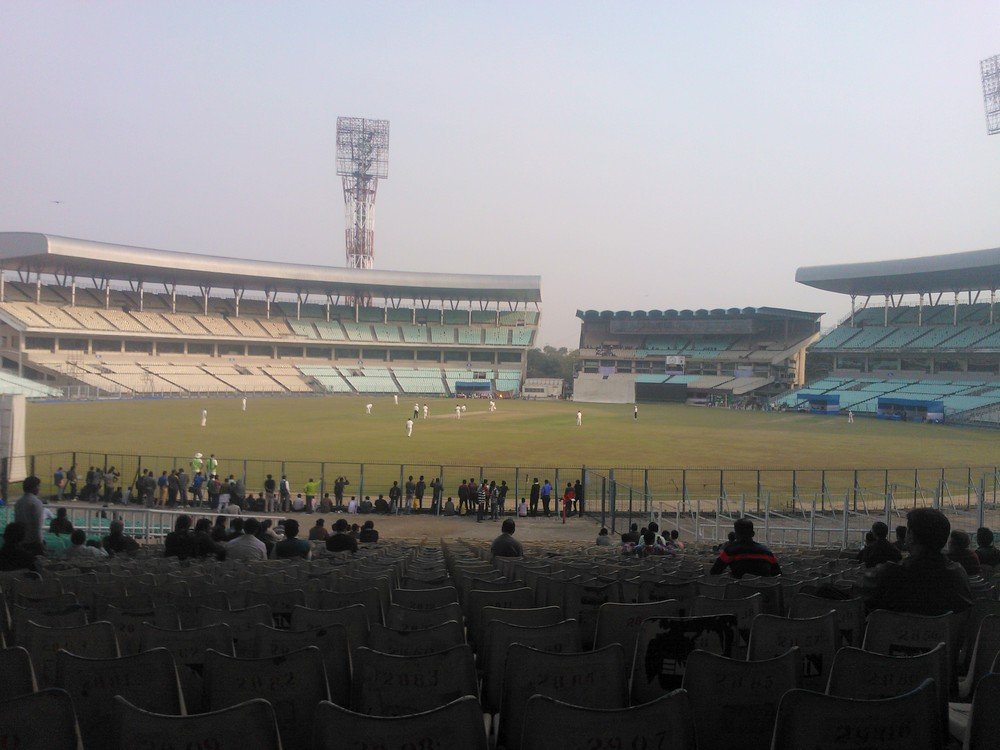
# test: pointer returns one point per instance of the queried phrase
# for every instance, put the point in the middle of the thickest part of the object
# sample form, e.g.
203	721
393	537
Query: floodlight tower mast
362	160
990	68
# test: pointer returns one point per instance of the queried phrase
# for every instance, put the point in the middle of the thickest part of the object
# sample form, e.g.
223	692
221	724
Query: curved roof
957	272
49	254
732	312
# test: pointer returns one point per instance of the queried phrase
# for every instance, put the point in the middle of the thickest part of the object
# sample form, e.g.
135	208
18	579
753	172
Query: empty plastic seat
416	642
744	610
242	624
816	637
908	722
246	726
850	614
985	650
39	721
619	622
128	624
403	618
96	640
979	726
904	634
293	683
734	702
353	618
332	642
387	685
18	675
189	647
425	598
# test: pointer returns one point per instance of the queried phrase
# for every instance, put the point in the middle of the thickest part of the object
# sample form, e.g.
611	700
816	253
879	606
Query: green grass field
520	433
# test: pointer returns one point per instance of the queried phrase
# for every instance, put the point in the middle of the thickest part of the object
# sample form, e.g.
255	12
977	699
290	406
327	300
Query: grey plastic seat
455	726
904	634
416	642
619	623
73	616
188	647
816	637
246	726
733	701
985	650
281	603
189	607
592	679
518	598
128	624
850	614
866	675
148	680
387	685
403	618
977	725
550	723
664	644
425	598
907	722
39	721
369	596
353	618
242	624
560	638
745	609
293	684
332	642
18	674
530	617
96	640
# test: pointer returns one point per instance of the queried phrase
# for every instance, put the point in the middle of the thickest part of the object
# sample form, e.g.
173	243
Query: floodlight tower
990	68
362	160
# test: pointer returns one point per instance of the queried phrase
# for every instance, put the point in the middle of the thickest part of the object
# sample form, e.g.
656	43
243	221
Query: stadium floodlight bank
362	160
990	68
119	320
742	355
924	330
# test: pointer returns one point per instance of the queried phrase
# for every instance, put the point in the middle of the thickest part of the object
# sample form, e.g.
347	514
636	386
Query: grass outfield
520	433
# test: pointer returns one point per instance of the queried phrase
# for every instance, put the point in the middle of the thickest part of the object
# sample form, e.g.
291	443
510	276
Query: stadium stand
743	354
73	338
915	356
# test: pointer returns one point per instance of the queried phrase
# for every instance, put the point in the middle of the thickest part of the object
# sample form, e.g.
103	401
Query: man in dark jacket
881	550
744	556
536	491
340	540
987	553
463	497
926	582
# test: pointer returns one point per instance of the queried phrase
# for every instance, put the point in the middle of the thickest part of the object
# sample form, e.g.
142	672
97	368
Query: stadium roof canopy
731	312
957	272
32	253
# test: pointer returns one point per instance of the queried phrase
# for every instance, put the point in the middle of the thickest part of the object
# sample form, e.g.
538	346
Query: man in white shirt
458	412
30	513
79	547
244	403
204	417
426	411
247	546
579	419
493	406
368	408
409	427
298	503
395	399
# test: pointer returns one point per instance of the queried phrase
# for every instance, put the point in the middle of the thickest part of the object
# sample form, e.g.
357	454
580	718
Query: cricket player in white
458	412
395	399
426	411
244	403
204	417
850	416
368	408
409	428
493	406
579	418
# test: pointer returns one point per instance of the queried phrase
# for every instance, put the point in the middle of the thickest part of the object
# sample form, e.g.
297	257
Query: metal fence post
613	487
322	479
604	495
795	488
630	503
812	524
758	492
517	484
244	472
981	509
767	518
645	492
856	488
684	490
847	520
968	489
361	480
888	509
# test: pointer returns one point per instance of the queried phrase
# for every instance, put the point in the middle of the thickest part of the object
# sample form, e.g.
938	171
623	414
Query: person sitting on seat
925	582
318	533
960	551
745	556
632	535
117	543
203	544
61	524
986	552
178	542
14	555
603	540
291	546
650	545
340	540
449	507
900	542
247	546
675	539
368	533
506	545
880	550
80	548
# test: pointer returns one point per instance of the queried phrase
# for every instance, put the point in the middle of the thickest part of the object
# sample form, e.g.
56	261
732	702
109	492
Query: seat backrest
148	680
353	618
242	624
96	640
455	726
769	589
980	608
906	722
403	618
425	598
745	610
18	675
530	617
188	647
867	676
369	596
619	623
664	644
593	596
681	591
388	685
850	614
550	723
816	637
293	683
39	721
518	598
127	624
984	719
189	607
69	617
592	679
332	642
733	701
281	604
416	642
985	649
560	638
905	634
246	726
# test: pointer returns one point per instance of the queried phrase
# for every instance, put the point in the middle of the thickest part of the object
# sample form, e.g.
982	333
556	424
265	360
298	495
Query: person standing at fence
197	482
504	489
197	464
418	493
338	490
30	514
494	501
578	497
212	465
463	497
482	495
59	480
71	481
536	491
270	495
310	488
395	498
214	491
409	489
183	482
567	501
546	497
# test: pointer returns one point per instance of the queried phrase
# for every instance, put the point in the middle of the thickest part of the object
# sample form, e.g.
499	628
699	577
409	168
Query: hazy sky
635	155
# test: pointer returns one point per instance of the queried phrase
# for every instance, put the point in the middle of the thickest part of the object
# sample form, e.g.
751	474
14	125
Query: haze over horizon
635	156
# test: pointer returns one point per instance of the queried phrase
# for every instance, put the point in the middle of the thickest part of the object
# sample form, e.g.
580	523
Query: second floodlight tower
362	160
